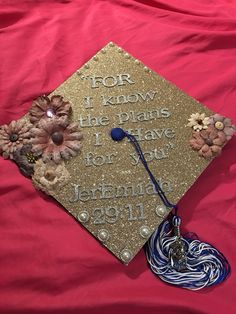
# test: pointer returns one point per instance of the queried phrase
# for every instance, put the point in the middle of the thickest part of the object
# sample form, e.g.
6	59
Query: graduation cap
118	146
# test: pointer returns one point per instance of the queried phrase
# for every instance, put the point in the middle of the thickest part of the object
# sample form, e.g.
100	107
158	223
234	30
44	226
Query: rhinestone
144	231
126	255
161	210
103	235
50	113
83	216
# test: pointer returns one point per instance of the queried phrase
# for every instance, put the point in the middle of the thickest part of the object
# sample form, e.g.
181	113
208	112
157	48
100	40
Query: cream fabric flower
50	176
198	121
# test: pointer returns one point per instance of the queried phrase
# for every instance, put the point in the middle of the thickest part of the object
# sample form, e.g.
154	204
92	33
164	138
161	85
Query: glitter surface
108	183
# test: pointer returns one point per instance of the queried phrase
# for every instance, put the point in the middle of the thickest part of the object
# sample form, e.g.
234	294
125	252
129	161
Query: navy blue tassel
181	261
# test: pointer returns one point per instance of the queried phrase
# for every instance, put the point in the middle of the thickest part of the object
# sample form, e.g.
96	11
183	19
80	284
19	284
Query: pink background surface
48	262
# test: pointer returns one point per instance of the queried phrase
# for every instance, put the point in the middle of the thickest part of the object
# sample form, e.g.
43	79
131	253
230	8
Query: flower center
57	138
219	125
31	158
199	121
14	137
49	175
209	142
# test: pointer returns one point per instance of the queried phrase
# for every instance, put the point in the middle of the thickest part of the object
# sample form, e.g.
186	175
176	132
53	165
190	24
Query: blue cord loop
119	134
176	221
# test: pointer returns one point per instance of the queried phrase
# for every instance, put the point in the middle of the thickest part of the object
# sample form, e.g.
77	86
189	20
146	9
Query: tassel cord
153	179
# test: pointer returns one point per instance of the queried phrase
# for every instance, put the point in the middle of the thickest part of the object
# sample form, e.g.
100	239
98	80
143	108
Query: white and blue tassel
185	262
177	260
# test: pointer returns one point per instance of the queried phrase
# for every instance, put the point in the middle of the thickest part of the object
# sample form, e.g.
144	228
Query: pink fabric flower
223	124
13	136
44	107
56	139
208	142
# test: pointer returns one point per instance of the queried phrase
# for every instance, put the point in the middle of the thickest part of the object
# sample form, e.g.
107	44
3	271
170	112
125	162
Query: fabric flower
223	124
25	159
208	142
198	121
14	136
55	139
44	107
50	176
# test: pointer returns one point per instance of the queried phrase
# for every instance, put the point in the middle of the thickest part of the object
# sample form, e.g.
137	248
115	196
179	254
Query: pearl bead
161	210
111	44
95	58
146	69
83	216
219	125
120	49
126	255
78	72
103	51
127	56
144	231
103	235
137	62
86	66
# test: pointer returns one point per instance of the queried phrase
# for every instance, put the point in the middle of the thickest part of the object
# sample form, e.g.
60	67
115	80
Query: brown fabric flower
14	136
208	142
49	176
55	139
44	107
25	160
